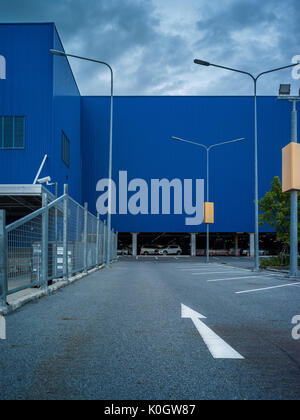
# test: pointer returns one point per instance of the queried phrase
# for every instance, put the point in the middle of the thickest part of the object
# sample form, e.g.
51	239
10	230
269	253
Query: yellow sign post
209	213
291	167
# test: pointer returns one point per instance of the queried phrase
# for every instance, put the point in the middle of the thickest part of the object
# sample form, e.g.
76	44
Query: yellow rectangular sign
291	167
209	213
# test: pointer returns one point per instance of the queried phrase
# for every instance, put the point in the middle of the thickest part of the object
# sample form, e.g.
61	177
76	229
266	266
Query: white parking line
268	288
222	270
213	272
241	278
205	269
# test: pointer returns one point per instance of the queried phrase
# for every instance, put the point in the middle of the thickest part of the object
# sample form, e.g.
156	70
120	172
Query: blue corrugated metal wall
42	88
142	146
26	91
67	118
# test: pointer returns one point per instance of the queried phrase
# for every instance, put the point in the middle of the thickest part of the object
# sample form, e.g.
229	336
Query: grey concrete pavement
118	334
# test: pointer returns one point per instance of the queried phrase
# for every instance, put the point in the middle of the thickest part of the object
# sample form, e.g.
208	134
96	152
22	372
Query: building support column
134	244
193	244
252	247
236	245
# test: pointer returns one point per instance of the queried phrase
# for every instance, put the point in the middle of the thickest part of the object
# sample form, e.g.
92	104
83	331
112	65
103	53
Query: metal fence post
116	244
112	249
3	259
104	241
65	236
77	225
101	243
45	242
56	238
85	238
98	241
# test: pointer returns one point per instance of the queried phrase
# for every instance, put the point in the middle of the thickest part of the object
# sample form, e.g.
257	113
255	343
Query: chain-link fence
57	241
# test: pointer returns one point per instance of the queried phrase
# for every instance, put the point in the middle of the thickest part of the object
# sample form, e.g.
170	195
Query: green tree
276	207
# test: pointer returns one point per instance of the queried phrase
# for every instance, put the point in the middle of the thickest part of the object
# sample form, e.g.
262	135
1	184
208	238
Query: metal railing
55	242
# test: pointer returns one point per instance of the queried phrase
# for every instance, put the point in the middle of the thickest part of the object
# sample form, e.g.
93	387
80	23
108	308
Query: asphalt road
119	334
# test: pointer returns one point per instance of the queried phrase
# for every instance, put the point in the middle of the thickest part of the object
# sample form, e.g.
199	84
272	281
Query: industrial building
43	113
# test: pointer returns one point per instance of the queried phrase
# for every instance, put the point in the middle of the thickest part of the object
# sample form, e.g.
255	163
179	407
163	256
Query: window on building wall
65	150
12	132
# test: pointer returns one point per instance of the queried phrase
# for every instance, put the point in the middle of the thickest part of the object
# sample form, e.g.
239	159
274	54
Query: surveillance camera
44	180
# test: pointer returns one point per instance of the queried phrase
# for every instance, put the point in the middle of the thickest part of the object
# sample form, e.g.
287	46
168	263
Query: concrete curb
276	270
34	294
285	274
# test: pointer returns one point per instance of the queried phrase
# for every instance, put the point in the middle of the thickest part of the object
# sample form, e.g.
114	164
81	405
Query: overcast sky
151	44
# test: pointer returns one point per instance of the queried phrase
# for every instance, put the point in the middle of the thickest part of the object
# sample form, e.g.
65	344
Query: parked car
149	250
213	252
123	252
171	250
262	252
235	252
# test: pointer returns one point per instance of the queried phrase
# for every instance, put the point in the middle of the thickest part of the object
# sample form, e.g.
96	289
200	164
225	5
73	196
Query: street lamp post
255	80
294	193
62	54
207	149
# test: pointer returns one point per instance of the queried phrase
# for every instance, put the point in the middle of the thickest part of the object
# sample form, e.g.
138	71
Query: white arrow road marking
217	347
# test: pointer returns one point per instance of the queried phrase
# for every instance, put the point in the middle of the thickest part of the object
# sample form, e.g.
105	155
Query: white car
262	252
171	250
149	250
123	252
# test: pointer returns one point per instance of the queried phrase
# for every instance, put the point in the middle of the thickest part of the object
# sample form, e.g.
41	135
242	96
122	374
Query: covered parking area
194	244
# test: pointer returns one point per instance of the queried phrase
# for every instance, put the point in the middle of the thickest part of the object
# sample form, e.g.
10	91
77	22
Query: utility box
291	167
209	213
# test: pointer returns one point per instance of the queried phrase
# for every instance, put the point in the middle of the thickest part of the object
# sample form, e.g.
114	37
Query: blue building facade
44	92
73	130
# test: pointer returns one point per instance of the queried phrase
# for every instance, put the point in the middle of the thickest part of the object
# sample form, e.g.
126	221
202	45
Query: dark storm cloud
151	44
111	30
271	26
240	15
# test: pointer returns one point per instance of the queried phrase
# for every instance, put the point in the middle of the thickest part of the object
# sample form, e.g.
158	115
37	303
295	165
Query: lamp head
202	63
60	53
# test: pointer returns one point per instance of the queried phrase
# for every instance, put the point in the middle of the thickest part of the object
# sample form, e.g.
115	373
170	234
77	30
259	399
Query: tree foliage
276	208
